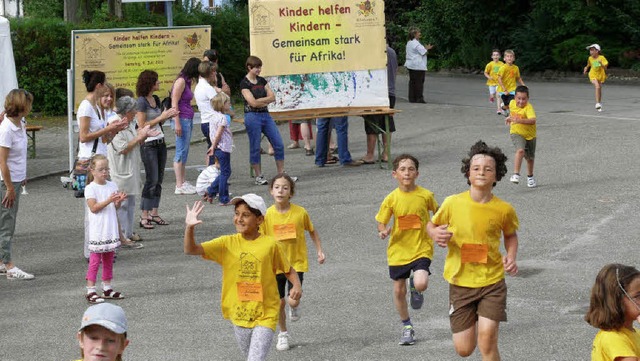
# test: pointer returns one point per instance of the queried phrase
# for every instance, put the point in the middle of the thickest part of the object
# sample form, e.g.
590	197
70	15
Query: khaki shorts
529	146
466	304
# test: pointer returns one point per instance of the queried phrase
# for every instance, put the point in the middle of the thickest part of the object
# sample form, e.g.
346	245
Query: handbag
80	171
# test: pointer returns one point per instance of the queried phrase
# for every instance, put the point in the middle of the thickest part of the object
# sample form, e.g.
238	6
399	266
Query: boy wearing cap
103	333
597	67
250	262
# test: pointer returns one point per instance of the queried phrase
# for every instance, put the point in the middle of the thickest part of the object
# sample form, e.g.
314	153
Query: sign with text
315	36
123	53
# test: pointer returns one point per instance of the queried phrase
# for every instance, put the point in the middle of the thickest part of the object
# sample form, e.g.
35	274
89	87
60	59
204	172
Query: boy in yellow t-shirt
522	130
287	222
410	249
508	77
470	224
597	67
491	73
250	262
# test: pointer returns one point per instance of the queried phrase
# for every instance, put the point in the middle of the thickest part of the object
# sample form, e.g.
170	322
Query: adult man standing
322	141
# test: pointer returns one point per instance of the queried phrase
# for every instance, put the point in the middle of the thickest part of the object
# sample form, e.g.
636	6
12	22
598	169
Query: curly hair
146	81
606	310
494	152
401	157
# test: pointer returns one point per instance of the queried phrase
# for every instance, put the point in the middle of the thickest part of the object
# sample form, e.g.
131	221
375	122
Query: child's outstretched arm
316	241
383	230
191	221
509	260
439	233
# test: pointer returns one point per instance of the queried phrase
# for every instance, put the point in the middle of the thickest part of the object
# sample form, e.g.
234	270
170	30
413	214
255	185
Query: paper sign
409	221
474	253
249	291
284	232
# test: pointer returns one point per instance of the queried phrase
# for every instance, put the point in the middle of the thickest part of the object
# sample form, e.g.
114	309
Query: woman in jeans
154	150
181	96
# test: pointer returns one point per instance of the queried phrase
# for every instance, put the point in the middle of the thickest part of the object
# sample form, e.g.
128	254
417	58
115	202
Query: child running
103	198
615	304
286	222
491	73
103	333
508	77
597	66
250	261
410	249
470	225
221	146
522	122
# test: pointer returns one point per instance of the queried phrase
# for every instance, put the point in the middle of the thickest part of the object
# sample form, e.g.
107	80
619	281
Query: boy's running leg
488	339
417	284
261	340
243	337
400	298
464	342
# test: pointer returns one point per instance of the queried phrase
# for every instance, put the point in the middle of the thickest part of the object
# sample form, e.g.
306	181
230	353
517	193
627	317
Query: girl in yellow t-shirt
615	304
250	261
597	67
287	222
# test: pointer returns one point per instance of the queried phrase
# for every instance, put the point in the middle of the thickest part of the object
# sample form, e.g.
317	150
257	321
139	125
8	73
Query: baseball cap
253	200
594	46
107	315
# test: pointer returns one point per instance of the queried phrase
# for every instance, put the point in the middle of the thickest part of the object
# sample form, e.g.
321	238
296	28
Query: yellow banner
123	53
316	36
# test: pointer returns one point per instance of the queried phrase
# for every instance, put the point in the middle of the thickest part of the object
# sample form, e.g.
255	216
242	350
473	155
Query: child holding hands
103	198
470	225
597	67
250	261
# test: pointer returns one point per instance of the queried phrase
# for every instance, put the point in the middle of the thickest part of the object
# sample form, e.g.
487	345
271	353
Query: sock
284	333
530	176
516	173
106	287
407	322
91	289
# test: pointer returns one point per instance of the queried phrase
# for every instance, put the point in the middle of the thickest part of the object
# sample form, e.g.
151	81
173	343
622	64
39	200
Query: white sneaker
294	313
515	178
599	107
189	186
531	182
283	341
3	269
17	274
184	190
261	180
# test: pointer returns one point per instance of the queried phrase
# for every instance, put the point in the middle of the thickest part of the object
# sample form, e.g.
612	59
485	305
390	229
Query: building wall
9	8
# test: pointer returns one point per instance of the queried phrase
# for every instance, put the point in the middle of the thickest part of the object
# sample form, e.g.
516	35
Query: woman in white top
13	172
416	63
203	94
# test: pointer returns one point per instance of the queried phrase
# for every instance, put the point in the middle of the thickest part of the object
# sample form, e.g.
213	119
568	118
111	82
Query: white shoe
531	182
190	187
184	190
17	274
3	269
599	107
515	178
294	313
283	341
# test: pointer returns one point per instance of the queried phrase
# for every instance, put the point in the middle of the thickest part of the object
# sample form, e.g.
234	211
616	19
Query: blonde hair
18	102
92	165
218	102
108	88
509	51
121	336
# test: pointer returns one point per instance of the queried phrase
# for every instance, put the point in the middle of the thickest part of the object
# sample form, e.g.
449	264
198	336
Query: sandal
111	294
332	160
146	223
293	146
310	151
129	244
158	220
93	298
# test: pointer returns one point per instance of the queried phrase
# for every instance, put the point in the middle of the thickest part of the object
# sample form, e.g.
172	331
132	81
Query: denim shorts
183	142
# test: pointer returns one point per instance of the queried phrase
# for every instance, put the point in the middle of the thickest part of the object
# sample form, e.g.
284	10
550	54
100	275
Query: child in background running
491	73
103	333
250	262
103	198
508	77
522	122
287	222
410	249
597	67
615	304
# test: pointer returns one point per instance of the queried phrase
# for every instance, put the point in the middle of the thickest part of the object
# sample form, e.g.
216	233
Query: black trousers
416	86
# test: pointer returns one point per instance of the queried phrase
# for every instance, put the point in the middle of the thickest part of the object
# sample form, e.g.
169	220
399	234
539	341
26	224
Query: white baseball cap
253	201
594	46
107	315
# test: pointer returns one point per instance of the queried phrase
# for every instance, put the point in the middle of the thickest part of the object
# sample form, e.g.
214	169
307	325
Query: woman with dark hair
154	150
181	96
416	63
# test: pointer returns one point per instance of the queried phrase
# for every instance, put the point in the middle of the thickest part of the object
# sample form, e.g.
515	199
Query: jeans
256	125
126	213
8	223
154	159
322	139
220	185
205	131
183	141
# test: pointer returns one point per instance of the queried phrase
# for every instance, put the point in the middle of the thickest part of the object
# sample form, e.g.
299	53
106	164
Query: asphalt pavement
583	215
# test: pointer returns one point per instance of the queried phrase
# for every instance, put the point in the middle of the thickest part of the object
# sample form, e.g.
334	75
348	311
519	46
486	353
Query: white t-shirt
14	138
96	123
416	55
103	226
203	94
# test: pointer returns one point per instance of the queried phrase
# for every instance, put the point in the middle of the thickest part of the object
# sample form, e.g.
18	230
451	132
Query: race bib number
249	291
474	253
285	232
410	221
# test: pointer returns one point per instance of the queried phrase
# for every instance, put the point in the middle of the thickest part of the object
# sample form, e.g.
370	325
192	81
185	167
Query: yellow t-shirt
527	131
596	71
492	69
249	290
409	239
607	345
477	229
288	229
509	75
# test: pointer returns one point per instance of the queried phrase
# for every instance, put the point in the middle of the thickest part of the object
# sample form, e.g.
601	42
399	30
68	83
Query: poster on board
123	53
319	54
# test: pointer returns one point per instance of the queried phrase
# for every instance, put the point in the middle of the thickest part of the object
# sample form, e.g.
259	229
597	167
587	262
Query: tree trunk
71	11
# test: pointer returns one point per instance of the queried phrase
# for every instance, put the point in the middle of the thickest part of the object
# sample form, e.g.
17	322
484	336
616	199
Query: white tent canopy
8	79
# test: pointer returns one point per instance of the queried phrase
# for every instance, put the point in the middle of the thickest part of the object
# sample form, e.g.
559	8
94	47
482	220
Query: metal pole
168	9
70	116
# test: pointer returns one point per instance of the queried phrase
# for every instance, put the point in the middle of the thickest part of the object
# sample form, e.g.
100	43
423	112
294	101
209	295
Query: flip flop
363	161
